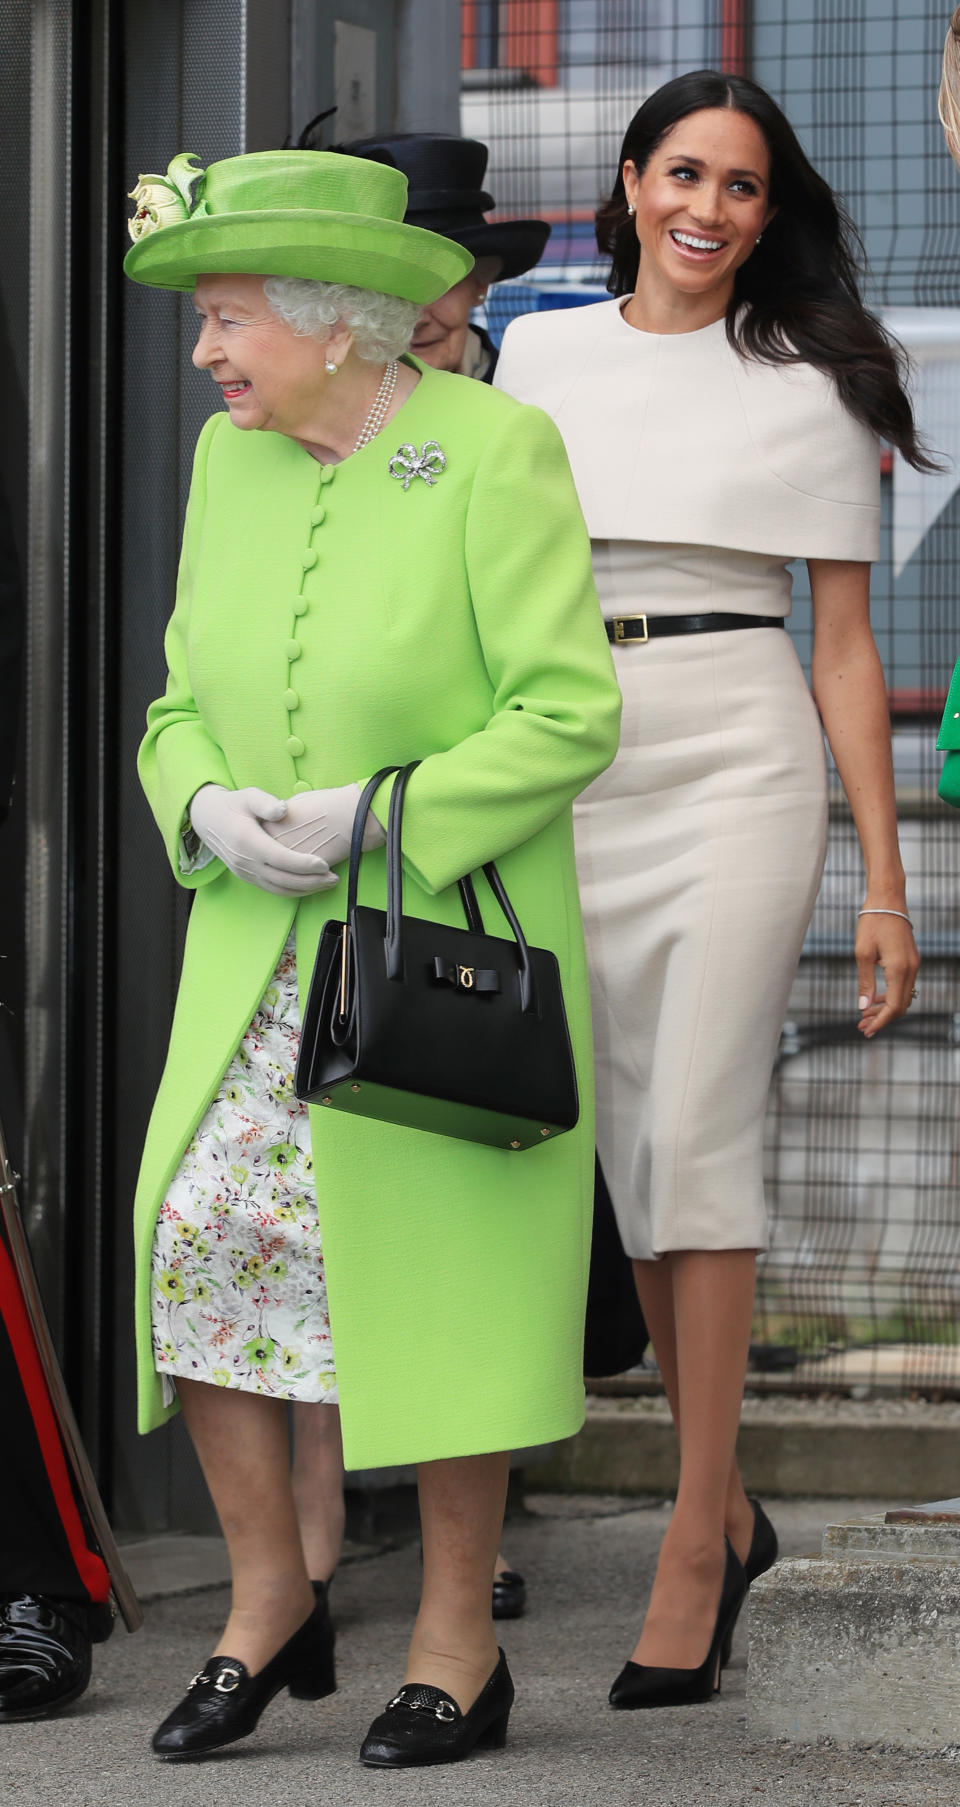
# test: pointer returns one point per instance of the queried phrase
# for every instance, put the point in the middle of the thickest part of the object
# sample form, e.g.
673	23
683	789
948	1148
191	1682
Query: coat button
301	786
291	699
301	605
318	515
295	746
326	473
308	558
294	649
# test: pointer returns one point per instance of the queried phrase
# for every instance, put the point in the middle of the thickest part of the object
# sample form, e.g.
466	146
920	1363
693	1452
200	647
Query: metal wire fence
862	1283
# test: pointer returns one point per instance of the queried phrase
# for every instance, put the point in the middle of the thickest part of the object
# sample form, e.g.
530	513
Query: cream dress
699	851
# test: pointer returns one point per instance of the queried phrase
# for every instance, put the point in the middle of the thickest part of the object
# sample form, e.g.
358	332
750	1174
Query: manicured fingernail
863	1002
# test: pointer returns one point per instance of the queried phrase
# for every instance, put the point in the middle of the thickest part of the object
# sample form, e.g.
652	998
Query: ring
913	994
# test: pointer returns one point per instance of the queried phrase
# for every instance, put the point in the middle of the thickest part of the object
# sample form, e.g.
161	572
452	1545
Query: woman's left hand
886	941
322	822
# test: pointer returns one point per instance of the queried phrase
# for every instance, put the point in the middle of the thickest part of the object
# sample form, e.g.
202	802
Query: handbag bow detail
466	978
408	463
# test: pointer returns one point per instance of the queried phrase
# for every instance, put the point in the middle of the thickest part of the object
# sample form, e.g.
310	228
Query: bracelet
903	917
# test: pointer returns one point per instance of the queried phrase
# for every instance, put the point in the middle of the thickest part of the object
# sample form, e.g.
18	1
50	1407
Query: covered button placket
301	607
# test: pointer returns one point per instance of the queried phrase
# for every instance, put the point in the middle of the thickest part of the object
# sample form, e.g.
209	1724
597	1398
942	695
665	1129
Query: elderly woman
330	620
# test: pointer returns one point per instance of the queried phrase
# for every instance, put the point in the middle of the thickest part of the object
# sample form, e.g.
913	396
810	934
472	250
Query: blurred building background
101	408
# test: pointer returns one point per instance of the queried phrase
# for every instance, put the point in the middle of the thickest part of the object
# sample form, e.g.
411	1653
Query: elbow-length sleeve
556	704
177	754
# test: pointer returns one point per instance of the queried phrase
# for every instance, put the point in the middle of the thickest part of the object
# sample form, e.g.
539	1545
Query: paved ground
588	1563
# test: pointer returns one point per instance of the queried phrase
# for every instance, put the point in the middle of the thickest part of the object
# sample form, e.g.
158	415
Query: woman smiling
722	416
381	563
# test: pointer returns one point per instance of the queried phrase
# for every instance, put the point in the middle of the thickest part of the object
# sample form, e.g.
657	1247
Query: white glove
233	825
322	822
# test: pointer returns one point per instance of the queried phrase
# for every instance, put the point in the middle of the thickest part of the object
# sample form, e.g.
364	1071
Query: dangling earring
759	237
630	207
330	367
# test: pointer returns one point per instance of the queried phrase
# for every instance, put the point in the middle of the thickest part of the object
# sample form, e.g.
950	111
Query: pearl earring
759	237
630	207
330	367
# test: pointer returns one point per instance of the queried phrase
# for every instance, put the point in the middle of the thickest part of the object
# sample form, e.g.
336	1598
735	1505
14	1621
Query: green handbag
948	741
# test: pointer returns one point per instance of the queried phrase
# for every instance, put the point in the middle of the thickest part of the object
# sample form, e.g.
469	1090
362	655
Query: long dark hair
801	284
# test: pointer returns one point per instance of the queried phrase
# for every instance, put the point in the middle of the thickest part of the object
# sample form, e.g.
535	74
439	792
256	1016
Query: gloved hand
233	825
322	822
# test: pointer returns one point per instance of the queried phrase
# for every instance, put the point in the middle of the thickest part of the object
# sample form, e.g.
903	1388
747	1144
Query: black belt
640	628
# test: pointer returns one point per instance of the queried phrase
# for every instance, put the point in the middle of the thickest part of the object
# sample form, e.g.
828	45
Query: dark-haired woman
722	417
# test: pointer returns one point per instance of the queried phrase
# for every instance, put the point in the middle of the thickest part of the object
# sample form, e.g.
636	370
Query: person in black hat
446	195
54	1585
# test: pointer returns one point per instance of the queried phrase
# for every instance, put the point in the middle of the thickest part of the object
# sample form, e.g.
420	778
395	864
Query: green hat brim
352	248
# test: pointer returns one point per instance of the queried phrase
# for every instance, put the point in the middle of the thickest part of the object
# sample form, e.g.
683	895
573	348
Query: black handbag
445	1029
616	1337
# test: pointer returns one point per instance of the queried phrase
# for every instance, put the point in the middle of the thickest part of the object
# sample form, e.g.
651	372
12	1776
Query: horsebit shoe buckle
620	634
227	1679
444	1710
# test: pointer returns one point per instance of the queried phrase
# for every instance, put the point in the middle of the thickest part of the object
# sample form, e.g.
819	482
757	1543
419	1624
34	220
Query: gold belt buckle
635	639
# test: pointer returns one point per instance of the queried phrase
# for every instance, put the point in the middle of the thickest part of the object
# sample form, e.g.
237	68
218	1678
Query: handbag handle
393	940
468	896
359	824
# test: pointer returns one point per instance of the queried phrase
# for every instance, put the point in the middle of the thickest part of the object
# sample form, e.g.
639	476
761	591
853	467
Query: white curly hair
382	325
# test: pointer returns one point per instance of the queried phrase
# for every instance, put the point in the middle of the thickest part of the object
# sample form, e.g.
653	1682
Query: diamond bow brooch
408	463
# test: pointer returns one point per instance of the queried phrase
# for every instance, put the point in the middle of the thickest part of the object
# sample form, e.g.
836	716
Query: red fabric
90	1567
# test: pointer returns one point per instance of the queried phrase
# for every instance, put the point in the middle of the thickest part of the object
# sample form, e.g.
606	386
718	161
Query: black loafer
45	1652
423	1725
509	1595
224	1701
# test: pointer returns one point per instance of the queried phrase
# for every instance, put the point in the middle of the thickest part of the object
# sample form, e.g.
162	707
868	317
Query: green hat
287	213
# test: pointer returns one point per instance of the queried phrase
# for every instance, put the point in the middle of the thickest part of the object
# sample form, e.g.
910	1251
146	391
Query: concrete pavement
588	1561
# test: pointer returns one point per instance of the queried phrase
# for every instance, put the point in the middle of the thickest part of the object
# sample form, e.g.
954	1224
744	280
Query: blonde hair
948	100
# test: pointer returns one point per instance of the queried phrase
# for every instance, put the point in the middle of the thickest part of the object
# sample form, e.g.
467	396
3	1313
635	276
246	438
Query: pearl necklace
381	405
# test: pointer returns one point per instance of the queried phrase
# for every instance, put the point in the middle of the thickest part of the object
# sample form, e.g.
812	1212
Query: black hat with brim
445	176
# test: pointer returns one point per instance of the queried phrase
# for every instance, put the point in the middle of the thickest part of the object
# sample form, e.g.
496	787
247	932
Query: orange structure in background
528	34
733	37
527	37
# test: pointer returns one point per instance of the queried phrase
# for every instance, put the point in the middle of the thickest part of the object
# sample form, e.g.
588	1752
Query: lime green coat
328	621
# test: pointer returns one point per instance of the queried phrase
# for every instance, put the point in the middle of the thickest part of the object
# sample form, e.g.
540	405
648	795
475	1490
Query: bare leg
318	1489
654	1283
318	1486
712	1311
454	1646
243	1446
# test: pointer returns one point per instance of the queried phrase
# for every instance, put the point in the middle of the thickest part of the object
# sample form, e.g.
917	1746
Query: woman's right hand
230	823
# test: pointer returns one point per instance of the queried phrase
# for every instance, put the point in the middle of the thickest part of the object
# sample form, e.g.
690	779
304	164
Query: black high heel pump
761	1556
641	1685
224	1701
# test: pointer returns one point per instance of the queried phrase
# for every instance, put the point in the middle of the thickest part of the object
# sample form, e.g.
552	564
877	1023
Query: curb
846	1457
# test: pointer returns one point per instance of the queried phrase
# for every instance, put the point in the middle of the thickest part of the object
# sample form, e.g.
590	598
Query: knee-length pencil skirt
699	854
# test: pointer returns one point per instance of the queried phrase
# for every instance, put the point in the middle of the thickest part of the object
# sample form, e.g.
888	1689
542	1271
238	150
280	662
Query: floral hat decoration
299	213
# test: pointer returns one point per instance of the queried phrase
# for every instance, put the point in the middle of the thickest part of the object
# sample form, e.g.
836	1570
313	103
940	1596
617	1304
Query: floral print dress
237	1294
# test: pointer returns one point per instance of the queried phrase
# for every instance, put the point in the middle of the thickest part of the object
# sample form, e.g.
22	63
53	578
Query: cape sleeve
555	719
177	754
511	363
